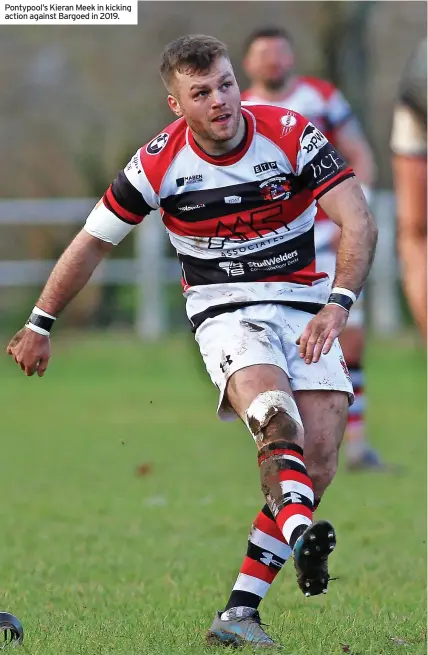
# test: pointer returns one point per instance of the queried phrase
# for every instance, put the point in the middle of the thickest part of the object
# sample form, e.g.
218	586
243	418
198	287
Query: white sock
237	613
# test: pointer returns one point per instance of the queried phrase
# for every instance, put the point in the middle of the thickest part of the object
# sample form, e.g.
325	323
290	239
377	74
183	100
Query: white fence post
151	319
384	306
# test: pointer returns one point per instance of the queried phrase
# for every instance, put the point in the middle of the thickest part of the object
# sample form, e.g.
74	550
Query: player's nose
218	100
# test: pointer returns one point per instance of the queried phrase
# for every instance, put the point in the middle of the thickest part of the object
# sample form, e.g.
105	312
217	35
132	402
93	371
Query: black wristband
41	321
340	299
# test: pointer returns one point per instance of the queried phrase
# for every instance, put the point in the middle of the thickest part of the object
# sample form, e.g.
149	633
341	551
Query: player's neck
272	95
218	148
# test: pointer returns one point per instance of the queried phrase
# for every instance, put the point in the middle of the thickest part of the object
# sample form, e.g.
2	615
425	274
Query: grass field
96	559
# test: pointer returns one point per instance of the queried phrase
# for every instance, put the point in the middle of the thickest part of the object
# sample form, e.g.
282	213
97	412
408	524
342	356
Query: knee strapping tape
265	406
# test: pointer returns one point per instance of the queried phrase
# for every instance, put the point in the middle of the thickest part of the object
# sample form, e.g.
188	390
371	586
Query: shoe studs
330	535
331	546
324	591
307	594
312	537
307	552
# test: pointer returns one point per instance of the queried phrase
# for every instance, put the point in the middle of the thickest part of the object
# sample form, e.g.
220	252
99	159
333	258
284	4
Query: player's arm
346	205
72	271
333	184
30	347
122	207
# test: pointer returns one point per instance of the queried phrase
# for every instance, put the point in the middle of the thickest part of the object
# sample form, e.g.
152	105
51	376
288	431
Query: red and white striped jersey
242	223
319	101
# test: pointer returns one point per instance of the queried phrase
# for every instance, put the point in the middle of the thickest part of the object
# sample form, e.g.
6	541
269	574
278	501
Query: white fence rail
151	269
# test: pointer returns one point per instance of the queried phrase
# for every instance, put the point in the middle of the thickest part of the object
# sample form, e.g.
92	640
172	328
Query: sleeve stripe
126	201
112	204
320	191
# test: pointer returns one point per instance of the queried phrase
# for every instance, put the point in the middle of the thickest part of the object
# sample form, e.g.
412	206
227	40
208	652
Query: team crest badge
288	122
276	188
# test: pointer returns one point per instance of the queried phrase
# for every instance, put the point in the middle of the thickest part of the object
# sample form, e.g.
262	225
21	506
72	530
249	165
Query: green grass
95	559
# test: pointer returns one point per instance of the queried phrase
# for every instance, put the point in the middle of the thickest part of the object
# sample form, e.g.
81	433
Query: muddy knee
273	416
275	423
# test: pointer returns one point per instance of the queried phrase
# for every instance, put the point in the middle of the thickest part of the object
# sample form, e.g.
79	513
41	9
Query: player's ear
174	105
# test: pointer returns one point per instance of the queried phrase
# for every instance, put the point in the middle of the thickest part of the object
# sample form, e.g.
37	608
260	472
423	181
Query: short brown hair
192	53
269	32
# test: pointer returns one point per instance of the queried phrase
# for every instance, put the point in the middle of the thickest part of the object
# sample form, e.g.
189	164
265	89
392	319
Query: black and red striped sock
287	488
267	553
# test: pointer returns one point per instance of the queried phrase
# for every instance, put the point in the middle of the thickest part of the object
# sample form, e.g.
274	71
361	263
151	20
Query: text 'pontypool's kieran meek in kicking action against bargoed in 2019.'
72	13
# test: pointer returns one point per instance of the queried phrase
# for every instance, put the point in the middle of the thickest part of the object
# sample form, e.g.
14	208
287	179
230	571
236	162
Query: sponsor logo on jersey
265	166
248	226
232	268
274	262
135	162
288	122
157	144
189	179
276	188
312	139
327	166
250	247
189	208
232	200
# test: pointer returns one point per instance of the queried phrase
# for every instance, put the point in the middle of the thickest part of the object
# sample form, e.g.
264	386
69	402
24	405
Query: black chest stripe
194	206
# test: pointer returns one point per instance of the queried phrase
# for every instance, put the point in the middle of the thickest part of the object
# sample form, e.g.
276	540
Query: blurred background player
269	63
409	146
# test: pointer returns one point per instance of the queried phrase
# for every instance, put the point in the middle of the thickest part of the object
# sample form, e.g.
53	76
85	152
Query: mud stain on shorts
253	327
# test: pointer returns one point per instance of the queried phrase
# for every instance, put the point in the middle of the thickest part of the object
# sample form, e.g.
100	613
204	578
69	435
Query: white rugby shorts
266	334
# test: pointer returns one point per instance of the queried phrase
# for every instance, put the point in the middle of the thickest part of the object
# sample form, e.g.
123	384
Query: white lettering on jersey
312	139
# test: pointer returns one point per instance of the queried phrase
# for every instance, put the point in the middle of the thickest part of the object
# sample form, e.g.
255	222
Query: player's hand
320	333
31	351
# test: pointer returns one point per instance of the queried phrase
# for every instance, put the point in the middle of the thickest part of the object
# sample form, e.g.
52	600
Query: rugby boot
310	553
239	631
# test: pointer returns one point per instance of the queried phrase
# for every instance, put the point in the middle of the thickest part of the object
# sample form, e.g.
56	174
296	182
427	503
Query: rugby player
237	189
269	63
